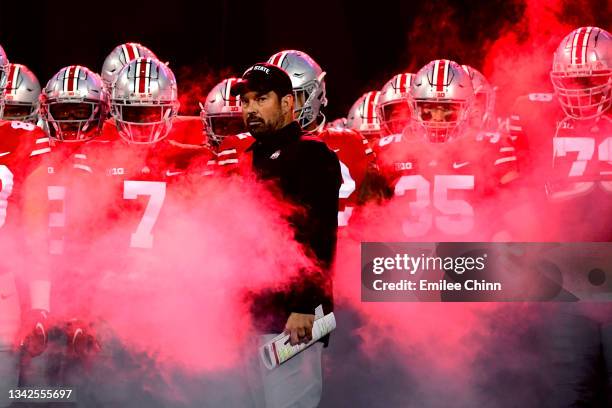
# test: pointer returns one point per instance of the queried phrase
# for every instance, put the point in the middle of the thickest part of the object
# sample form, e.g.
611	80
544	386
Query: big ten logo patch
115	171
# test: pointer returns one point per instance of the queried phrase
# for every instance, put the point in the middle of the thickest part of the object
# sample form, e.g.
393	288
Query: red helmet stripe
577	42
370	104
69	74
402	82
276	58
13	74
132	51
585	45
228	98
75	79
142	74
439	76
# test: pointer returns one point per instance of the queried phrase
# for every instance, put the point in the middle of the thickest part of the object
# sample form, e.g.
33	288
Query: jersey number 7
156	190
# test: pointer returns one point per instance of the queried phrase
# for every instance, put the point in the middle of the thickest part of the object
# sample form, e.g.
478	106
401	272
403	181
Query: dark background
360	45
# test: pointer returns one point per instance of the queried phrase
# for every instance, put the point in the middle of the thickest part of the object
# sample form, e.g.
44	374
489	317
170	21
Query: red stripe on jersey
69	78
142	75
440	76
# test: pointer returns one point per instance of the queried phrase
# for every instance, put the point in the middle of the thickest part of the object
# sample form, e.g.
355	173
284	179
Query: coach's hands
299	327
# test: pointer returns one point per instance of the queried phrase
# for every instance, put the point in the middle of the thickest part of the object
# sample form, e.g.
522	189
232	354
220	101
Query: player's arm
33	333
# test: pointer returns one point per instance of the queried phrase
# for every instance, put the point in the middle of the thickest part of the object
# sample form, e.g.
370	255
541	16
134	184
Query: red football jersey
569	164
441	189
231	157
21	146
141	178
355	156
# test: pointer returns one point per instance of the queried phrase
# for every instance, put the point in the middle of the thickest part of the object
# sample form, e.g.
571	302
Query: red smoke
182	302
194	84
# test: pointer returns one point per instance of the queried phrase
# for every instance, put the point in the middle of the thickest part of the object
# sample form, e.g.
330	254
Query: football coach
307	175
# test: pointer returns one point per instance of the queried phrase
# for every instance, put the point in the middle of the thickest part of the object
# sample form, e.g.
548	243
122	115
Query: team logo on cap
261	68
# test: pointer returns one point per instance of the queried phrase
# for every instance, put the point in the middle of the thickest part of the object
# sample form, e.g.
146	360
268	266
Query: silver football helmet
119	57
74	104
221	113
144	101
21	95
362	116
441	99
582	72
392	107
483	111
308	80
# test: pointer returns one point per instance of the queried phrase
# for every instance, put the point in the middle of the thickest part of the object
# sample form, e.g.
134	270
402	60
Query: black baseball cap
263	78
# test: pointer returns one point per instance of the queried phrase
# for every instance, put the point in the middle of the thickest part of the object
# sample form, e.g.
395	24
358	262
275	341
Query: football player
392	107
119	57
483	113
21	146
440	171
149	157
357	161
363	117
221	114
564	139
74	105
21	95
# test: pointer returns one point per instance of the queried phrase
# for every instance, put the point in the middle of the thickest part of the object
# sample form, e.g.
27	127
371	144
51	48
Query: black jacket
307	174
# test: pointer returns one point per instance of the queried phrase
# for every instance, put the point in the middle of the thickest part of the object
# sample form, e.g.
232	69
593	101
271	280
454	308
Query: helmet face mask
74	105
583	97
72	121
226	125
19	111
144	123
395	116
305	101
144	101
442	120
582	73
